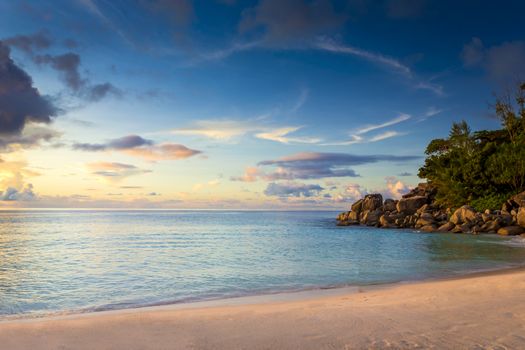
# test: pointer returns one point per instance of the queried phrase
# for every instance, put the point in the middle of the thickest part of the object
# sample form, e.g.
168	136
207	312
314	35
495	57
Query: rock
505	219
486	217
511	231
423	209
353	215
466	227
456	229
519	199
446	227
463	215
357	206
520	218
411	205
509	205
428	228
491	226
371	217
372	202
389	205
425	219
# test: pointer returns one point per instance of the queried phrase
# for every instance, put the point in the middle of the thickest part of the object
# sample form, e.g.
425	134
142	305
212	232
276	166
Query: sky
230	104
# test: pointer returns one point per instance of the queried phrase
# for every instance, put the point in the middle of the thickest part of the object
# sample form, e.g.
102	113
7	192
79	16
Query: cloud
114	172
251	174
163	151
405	174
352	193
315	165
227	129
357	136
200	186
223	130
12	194
284	22
280	135
126	142
367	128
137	146
67	65
301	100
431	111
502	62
385	135
391	63
29	43
394	188
292	189
20	102
31	136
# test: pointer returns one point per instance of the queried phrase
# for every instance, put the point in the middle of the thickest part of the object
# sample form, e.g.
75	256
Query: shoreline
256	298
481	310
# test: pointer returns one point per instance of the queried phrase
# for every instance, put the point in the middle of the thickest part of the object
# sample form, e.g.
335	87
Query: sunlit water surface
64	261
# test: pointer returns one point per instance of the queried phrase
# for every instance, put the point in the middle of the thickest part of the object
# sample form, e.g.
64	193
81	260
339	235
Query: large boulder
371	217
520	218
511	231
389	205
465	214
446	227
519	199
357	206
410	205
372	202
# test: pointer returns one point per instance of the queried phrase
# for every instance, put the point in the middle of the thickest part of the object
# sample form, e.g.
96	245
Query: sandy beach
474	312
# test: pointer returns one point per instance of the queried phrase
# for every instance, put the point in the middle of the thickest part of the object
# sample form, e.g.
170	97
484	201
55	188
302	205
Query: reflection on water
78	260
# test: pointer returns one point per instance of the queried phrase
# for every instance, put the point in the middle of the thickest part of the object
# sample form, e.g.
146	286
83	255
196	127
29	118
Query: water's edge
257	298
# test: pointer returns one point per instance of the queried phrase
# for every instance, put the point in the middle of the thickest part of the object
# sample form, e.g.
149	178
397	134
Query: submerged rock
511	231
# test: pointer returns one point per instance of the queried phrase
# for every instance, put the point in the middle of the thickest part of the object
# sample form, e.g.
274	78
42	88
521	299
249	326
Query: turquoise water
62	261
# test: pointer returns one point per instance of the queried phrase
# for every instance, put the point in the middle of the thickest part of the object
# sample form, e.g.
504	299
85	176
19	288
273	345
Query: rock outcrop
417	210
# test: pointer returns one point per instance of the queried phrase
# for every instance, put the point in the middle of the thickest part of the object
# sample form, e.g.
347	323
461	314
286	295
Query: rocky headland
418	210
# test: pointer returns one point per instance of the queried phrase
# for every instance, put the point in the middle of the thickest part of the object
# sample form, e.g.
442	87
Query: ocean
62	261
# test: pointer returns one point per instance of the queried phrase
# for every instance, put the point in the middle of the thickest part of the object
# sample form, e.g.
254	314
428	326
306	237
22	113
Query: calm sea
63	261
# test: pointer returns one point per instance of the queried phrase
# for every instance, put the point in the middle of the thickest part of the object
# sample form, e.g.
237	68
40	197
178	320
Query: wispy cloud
303	97
367	128
114	172
280	135
228	129
430	112
358	135
385	135
389	62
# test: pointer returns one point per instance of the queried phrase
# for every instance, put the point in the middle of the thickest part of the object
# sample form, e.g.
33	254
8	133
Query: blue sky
244	104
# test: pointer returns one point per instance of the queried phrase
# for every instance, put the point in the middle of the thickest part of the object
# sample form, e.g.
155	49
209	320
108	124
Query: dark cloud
282	21
12	194
312	165
122	143
67	65
137	146
20	102
502	62
405	174
97	92
292	189
31	136
29	43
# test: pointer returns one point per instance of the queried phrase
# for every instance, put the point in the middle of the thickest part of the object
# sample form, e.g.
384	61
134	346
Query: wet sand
473	312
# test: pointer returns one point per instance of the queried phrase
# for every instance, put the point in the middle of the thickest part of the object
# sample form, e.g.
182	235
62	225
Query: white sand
485	311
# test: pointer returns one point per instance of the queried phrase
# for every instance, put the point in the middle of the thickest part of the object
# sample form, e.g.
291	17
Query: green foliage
492	202
482	168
